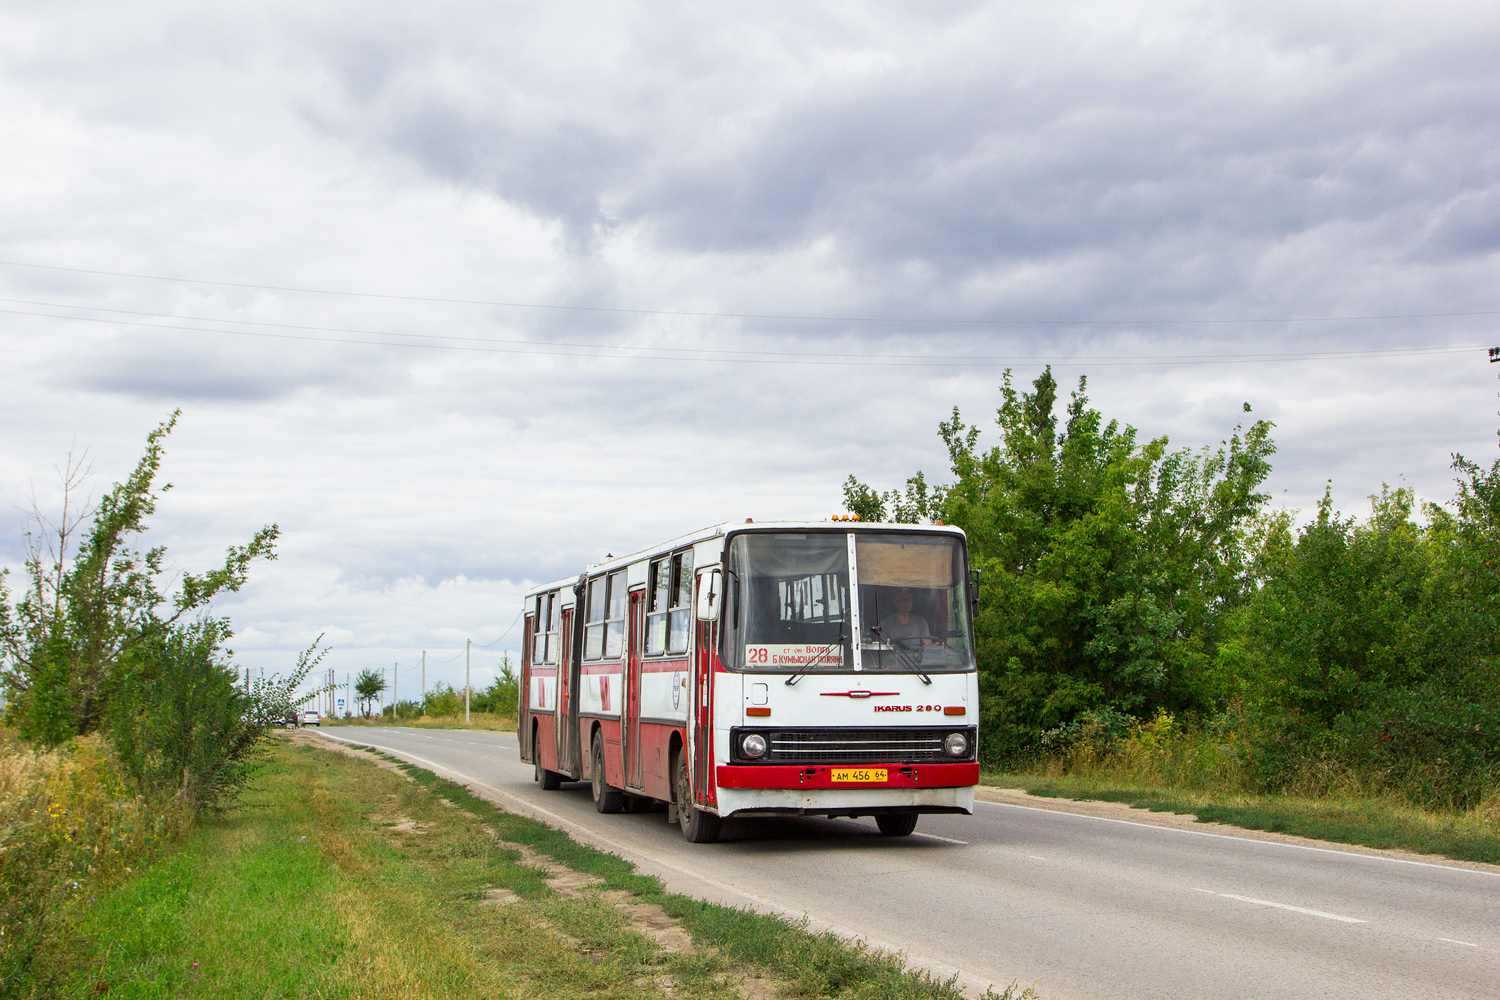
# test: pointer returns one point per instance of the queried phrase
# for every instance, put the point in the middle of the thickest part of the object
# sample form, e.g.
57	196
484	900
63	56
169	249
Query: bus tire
698	827
896	824
606	798
550	781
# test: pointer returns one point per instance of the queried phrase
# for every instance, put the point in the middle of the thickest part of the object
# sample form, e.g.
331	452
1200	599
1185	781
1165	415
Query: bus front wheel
698	827
897	824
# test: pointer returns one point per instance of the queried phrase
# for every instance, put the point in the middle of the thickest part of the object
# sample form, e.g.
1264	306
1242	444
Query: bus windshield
791	603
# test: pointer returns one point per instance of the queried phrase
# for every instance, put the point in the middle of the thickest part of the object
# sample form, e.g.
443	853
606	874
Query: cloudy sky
465	295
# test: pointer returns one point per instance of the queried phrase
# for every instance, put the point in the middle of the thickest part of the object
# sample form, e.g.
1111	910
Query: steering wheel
911	643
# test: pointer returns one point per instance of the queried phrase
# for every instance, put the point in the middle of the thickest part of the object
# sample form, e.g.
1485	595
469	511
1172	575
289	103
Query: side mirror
973	594
710	589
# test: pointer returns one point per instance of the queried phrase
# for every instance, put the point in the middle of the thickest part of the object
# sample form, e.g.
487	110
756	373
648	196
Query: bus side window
593	632
659	600
682	601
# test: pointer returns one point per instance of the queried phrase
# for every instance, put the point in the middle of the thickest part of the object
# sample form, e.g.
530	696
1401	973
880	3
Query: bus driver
902	624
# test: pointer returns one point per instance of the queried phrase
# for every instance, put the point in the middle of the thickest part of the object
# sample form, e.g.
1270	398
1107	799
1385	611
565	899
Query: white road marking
1243	840
1285	906
1466	944
1036	857
946	840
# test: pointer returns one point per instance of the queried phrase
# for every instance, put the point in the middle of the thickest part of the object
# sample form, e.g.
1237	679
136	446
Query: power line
497	346
710	314
634	347
507	631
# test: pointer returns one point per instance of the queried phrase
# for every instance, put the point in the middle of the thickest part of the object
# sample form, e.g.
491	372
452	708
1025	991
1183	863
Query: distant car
310	719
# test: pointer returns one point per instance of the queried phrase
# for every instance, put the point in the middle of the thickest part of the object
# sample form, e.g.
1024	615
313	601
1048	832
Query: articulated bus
773	669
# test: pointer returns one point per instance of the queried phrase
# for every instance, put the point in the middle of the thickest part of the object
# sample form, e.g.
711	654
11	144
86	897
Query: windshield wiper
906	658
815	660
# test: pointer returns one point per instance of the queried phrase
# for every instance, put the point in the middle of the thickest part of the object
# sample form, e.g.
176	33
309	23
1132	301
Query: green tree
1107	565
67	644
369	684
94	644
1372	646
503	694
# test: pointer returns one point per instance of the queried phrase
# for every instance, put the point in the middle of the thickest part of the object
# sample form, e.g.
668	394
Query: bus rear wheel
698	827
896	824
550	781
606	798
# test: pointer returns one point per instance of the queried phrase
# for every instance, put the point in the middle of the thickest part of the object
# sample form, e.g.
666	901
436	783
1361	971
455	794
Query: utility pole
424	682
1495	356
468	644
394	700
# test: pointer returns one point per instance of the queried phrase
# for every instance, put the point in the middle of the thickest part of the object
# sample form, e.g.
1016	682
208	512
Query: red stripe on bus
821	776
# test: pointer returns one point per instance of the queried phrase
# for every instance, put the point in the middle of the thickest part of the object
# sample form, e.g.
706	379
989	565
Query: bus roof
613	562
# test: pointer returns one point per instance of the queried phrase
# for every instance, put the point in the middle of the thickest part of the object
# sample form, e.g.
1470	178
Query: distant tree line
501	697
1120	579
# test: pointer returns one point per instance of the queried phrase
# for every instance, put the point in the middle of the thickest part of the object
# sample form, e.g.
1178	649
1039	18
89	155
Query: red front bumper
821	776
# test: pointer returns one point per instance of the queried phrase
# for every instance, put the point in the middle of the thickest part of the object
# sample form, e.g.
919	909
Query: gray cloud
1071	161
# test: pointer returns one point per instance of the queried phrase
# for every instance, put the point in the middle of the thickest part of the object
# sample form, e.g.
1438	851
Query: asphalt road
1078	906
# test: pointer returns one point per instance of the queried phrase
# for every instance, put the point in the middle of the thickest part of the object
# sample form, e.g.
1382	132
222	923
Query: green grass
318	887
808	965
301	893
1369	822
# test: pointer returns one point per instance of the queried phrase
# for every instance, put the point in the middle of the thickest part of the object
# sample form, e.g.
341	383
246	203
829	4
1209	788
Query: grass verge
1369	822
342	879
804	964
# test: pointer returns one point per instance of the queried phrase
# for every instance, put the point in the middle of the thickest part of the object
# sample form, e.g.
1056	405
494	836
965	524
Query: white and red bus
786	668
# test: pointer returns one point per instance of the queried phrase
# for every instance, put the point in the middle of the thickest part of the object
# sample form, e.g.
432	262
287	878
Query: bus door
565	711
703	700
523	703
637	629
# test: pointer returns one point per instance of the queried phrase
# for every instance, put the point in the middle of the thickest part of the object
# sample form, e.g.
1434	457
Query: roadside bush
1167	751
444	701
403	710
184	727
71	823
1368	655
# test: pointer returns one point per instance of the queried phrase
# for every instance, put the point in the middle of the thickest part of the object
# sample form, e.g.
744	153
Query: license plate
860	775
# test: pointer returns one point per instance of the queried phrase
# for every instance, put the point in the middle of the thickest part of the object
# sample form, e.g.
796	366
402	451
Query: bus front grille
855	746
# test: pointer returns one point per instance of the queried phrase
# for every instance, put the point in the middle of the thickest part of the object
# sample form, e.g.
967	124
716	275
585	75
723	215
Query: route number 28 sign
776	654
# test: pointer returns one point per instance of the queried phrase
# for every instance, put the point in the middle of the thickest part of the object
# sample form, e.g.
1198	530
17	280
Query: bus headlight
956	745
753	746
